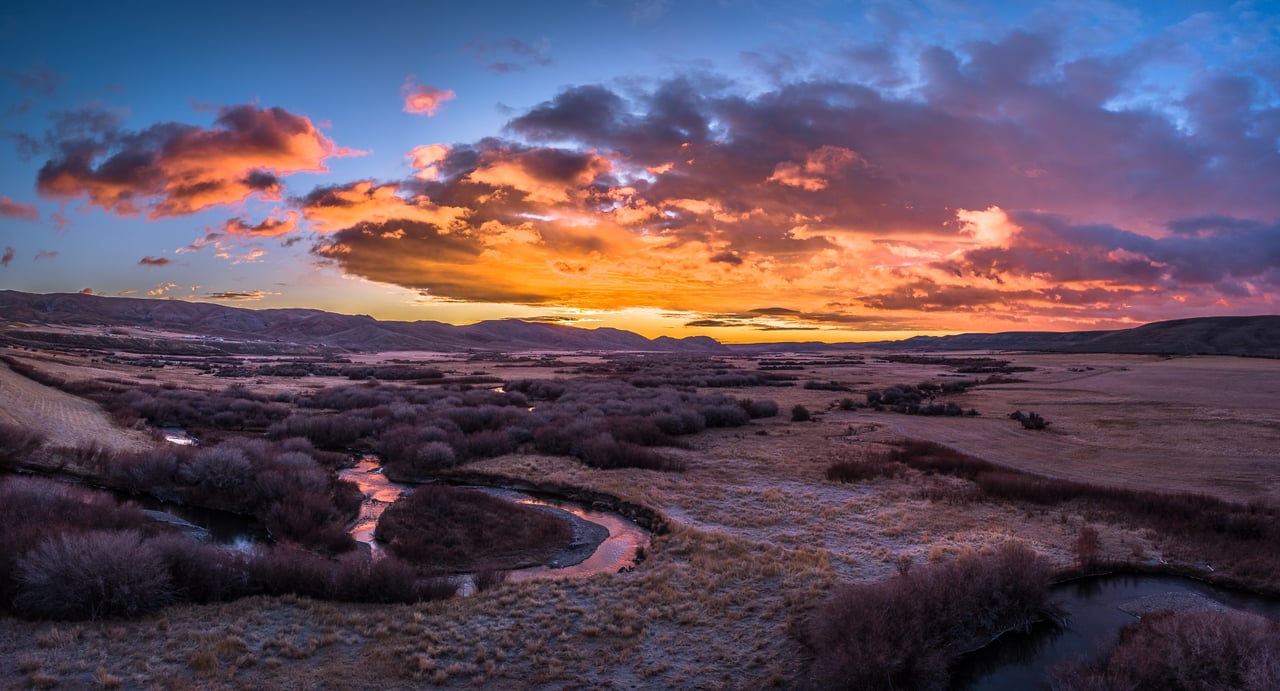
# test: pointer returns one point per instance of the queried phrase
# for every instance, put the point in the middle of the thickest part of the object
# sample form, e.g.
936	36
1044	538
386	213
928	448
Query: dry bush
35	510
453	529
903	632
869	469
16	442
1198	649
201	572
92	575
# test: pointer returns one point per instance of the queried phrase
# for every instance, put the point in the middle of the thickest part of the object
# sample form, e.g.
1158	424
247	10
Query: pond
1095	610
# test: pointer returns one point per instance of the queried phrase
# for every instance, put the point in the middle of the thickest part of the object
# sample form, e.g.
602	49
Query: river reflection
616	552
1094	616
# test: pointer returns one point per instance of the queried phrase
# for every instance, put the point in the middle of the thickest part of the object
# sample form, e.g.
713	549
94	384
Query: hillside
276	329
289	330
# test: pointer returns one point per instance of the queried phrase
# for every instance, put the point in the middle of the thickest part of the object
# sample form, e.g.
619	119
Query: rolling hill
218	328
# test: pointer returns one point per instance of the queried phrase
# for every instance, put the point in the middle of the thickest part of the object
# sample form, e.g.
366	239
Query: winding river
620	540
1096	608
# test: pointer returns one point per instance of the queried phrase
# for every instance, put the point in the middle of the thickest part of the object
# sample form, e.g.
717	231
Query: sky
742	169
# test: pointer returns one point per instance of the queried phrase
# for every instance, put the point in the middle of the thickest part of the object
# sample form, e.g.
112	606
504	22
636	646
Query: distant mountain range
1253	336
318	328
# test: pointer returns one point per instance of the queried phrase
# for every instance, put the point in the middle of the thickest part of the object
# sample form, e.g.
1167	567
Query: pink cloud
420	99
12	209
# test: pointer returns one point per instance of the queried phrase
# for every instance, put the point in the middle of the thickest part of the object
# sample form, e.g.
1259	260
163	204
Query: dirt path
63	419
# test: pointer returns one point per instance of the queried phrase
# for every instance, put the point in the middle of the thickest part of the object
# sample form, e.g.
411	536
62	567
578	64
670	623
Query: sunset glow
747	171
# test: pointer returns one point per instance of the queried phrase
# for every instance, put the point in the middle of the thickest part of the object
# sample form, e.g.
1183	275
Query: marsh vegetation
782	524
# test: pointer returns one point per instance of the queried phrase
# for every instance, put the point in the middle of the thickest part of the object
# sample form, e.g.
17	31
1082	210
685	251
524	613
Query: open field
758	536
61	418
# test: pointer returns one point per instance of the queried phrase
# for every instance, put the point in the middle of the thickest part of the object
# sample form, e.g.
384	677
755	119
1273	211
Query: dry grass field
758	535
61	418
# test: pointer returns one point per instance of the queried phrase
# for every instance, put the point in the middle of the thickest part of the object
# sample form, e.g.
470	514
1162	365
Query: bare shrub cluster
16	442
1197	649
682	371
858	471
281	483
1236	538
904	632
72	553
453	529
235	408
920	399
606	423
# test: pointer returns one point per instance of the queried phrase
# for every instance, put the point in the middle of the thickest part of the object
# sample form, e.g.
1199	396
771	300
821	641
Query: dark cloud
46	254
154	261
7	257
235	296
727	258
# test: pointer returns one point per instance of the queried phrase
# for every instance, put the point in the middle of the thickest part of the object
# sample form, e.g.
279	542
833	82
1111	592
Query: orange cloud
270	227
173	169
329	209
423	100
12	209
819	166
544	176
426	159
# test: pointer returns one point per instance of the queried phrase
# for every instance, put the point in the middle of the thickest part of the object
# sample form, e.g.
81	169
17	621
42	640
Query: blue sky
747	170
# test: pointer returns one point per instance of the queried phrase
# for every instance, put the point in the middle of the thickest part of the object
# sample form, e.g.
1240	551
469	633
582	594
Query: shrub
201	572
1030	420
92	575
855	471
903	632
454	529
800	414
724	415
1198	649
759	408
16	441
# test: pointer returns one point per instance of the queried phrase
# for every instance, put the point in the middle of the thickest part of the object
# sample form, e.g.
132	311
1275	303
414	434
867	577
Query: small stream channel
1096	608
607	542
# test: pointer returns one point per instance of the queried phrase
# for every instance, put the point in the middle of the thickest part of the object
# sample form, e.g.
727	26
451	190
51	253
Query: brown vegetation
448	529
1196	649
903	632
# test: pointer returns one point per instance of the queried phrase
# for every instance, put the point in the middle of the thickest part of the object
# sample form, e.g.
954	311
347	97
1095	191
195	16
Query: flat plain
757	535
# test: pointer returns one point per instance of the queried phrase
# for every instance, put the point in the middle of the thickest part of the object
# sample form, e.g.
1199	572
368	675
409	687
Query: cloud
269	228
511	55
426	159
328	209
12	209
239	296
39	78
1012	183
7	257
154	261
423	100
46	254
173	169
86	291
